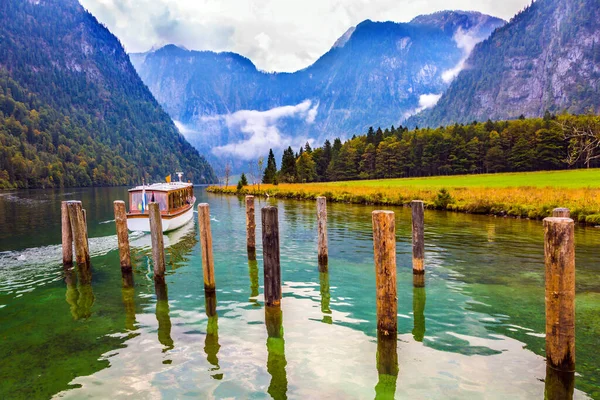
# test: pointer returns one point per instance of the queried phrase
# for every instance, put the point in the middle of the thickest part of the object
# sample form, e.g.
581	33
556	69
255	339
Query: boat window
135	201
161	199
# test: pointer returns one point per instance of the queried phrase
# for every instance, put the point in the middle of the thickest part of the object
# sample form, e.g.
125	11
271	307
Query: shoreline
527	202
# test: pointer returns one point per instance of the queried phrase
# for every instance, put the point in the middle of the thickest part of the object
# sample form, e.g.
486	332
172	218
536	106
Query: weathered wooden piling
322	232
272	269
67	235
558	385
158	245
250	228
384	244
123	240
559	253
79	233
561	212
418	242
208	263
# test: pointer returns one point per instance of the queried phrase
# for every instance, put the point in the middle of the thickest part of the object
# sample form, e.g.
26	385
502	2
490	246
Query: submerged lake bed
475	331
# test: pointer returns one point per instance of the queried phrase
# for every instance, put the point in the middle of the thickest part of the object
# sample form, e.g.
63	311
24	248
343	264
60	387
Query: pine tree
307	171
243	180
288	166
271	170
307	148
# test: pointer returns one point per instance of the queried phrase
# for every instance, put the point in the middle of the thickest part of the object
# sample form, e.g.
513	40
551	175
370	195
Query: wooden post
559	252
418	242
123	239
67	235
561	212
158	245
322	224
211	340
253	273
208	264
272	269
79	233
384	244
558	385
250	228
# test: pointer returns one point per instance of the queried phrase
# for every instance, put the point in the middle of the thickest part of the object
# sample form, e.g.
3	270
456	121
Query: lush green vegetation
73	111
549	143
523	195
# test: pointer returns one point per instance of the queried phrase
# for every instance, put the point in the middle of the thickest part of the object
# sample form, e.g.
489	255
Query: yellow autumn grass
518	201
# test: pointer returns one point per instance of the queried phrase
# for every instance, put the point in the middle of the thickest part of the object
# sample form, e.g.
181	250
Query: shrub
442	199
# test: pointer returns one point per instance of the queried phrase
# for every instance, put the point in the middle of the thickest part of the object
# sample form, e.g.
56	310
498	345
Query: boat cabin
172	198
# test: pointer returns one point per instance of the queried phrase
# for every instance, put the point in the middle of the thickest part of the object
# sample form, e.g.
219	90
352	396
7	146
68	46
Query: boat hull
142	222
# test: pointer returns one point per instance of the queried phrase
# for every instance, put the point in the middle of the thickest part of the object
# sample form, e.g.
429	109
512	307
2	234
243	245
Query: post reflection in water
559	385
325	297
387	365
211	341
276	361
162	315
419	298
253	272
128	294
80	297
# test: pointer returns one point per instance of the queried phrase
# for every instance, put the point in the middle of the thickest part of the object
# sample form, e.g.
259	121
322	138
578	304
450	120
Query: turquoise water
475	331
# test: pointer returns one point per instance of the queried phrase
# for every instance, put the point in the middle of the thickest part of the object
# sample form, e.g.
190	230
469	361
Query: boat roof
162	187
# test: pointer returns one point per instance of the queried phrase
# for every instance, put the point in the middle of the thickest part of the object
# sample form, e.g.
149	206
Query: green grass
574	179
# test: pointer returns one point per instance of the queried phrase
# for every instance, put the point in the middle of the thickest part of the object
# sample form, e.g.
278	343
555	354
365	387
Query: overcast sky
277	35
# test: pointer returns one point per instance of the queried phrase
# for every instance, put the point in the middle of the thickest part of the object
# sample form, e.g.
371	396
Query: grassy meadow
523	195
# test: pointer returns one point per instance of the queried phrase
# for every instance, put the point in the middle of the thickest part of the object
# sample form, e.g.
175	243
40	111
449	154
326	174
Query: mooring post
418	242
79	233
208	264
123	239
67	235
250	228
561	212
559	250
387	365
419	298
384	245
272	269
276	361
558	385
158	245
322	224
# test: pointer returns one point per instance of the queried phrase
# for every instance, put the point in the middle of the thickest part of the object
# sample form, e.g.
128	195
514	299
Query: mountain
546	58
377	73
73	111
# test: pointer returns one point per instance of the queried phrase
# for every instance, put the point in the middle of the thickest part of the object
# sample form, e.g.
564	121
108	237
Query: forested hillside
73	111
547	143
546	58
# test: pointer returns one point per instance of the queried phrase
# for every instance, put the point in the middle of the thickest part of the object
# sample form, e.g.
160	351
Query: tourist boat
175	199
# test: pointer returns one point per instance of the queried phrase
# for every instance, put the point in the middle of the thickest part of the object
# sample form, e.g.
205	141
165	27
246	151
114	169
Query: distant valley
376	74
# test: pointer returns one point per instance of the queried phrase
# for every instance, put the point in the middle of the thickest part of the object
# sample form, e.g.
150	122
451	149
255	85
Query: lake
475	331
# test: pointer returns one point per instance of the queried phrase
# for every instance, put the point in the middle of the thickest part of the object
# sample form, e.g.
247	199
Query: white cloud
262	131
428	101
276	35
466	41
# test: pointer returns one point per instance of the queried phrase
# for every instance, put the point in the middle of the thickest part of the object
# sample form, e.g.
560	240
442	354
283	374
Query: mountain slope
373	75
546	58
73	111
